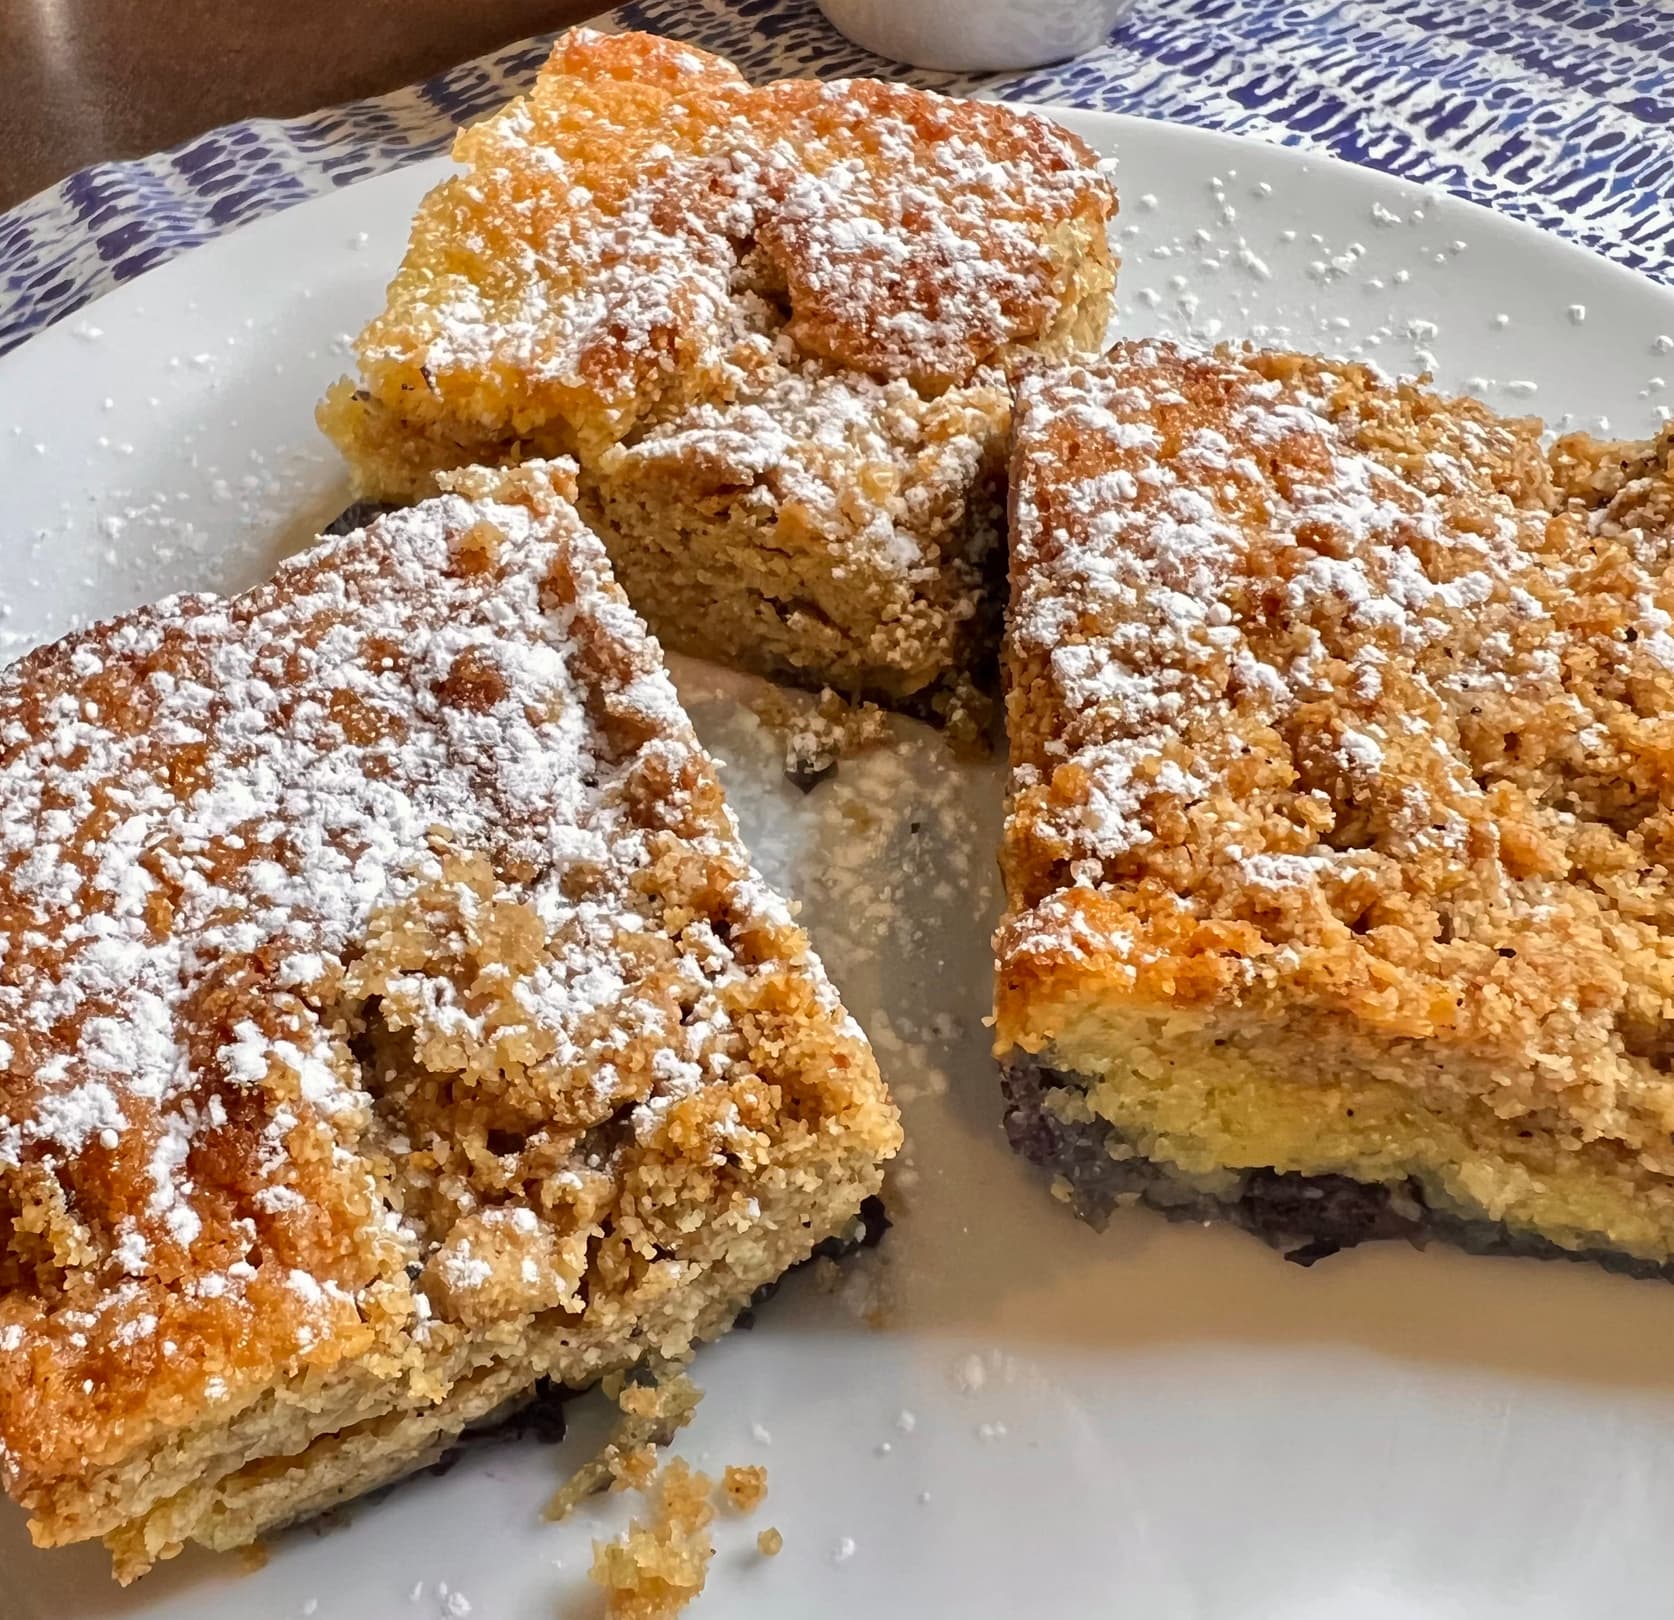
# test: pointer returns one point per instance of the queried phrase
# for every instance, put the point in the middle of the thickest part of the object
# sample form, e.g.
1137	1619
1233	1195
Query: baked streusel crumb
389	1019
773	324
745	1486
660	1563
654	1403
1342	721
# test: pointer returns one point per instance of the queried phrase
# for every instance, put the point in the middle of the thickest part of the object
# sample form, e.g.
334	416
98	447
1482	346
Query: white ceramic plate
1158	1422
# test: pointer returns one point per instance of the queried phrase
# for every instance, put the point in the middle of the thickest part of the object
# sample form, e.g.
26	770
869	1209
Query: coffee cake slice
773	325
390	1018
1337	853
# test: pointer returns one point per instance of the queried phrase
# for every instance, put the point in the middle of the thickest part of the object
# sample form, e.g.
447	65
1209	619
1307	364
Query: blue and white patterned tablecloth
1560	112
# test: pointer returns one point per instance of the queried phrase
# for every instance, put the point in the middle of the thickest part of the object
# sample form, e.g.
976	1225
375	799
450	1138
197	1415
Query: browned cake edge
271	1492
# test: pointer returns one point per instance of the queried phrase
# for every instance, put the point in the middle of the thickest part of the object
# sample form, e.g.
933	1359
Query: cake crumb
745	1486
819	733
632	1470
655	1405
769	1543
659	1563
253	1557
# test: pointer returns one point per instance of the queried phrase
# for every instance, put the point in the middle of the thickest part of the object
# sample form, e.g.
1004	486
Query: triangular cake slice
771	322
1342	807
390	1018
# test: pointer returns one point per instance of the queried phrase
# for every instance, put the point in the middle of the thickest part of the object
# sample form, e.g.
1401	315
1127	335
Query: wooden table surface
86	80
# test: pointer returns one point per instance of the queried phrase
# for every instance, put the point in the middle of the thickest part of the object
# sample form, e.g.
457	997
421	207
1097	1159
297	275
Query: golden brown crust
379	966
625	232
1330	696
771	322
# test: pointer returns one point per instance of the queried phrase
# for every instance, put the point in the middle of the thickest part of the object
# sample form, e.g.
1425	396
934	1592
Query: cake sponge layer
1236	1148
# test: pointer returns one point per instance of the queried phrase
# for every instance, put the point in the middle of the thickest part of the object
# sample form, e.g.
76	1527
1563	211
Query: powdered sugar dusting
221	822
1352	679
610	252
1165	560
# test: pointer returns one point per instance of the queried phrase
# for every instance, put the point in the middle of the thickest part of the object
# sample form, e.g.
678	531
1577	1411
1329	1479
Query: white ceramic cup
977	35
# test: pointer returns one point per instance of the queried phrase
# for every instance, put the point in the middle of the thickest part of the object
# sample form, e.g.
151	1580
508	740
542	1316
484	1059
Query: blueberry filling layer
1305	1217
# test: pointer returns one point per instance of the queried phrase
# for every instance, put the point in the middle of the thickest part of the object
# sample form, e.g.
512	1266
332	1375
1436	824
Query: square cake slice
773	325
390	1018
1341	813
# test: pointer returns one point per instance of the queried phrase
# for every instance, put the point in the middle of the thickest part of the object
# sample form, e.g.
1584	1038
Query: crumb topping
744	1485
1325	691
335	916
620	229
659	1564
